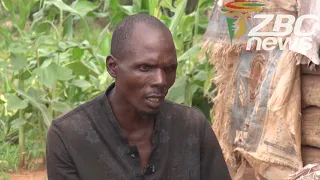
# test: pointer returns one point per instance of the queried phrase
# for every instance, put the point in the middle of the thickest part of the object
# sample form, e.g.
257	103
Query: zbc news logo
239	11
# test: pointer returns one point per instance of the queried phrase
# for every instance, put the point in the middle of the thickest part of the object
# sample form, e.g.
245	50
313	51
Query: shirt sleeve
59	162
213	165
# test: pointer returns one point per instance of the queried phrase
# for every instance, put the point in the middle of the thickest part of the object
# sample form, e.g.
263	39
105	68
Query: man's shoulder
183	112
77	114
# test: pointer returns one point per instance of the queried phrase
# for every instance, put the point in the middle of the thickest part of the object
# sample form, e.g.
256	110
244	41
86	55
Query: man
131	131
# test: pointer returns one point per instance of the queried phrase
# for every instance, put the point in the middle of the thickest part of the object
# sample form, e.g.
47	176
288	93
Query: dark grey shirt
87	143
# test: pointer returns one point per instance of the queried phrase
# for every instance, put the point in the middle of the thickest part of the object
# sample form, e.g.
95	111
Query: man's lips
155	100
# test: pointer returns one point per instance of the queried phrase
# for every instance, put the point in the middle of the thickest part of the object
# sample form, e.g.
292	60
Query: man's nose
160	78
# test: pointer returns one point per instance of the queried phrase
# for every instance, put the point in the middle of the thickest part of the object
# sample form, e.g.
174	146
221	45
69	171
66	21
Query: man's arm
213	166
59	163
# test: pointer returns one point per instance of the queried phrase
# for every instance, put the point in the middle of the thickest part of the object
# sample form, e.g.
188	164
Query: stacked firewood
310	94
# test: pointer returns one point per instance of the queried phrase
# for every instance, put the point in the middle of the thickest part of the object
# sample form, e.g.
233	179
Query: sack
309	172
311	126
305	69
258	103
310	91
310	155
245	172
289	5
256	110
310	26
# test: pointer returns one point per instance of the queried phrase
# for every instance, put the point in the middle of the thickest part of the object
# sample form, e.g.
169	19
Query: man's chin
149	114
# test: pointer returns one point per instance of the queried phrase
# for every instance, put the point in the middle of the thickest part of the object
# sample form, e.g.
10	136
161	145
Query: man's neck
127	116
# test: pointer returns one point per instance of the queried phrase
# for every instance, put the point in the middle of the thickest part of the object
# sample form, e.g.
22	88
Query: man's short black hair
122	34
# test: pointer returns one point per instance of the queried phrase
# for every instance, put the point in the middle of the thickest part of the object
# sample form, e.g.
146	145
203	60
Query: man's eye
168	69
144	68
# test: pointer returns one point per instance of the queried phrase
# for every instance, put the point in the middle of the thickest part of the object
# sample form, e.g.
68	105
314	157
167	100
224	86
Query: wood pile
310	137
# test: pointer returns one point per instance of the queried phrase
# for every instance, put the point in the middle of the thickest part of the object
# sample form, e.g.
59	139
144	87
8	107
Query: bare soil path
40	174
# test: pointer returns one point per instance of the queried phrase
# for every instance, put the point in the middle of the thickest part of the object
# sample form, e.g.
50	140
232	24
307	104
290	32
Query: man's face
148	69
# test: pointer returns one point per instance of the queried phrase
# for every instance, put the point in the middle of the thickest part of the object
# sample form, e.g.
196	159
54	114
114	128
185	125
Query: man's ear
111	64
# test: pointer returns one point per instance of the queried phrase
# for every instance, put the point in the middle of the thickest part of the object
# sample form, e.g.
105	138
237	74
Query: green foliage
8	158
4	176
51	61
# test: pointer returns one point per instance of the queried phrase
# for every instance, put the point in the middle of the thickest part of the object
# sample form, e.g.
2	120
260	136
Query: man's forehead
148	41
144	31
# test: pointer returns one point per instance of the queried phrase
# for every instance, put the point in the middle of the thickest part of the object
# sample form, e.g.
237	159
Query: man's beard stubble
149	116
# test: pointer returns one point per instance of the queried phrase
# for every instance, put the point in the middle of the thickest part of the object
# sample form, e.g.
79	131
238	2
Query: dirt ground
30	175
